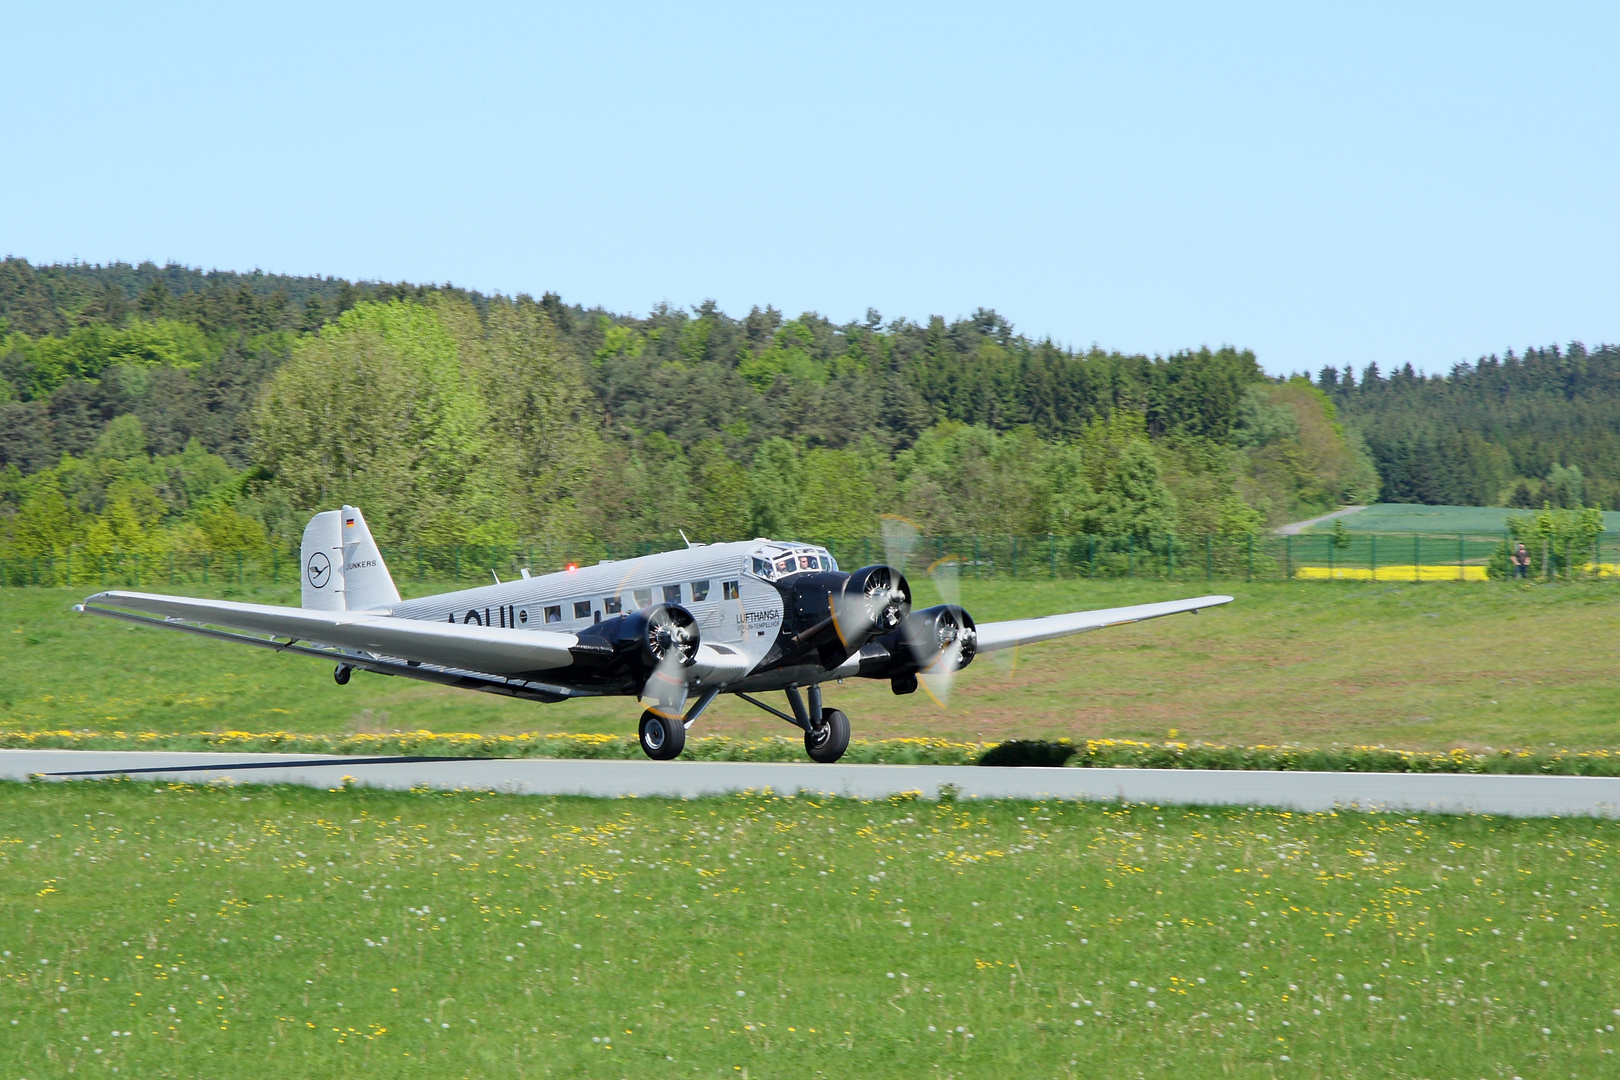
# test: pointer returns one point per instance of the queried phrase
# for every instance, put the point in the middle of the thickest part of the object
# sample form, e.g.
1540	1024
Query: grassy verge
1089	753
1426	668
302	933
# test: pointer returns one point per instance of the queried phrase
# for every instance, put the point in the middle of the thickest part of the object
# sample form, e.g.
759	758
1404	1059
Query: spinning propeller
944	639
670	647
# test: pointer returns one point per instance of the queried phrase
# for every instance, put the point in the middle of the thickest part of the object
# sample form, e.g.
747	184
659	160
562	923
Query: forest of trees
1520	430
145	408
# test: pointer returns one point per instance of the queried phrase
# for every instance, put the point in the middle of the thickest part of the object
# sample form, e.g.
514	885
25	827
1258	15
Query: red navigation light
572	567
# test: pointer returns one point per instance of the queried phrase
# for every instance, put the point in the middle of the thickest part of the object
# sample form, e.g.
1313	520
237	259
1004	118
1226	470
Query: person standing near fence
1521	562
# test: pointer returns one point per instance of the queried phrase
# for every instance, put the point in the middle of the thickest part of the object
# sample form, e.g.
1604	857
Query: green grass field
1320	663
1440	520
158	931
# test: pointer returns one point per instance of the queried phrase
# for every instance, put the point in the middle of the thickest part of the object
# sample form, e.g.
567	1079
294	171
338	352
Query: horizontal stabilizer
477	648
1005	635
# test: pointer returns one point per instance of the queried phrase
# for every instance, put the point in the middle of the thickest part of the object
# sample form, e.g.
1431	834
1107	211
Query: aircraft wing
486	649
1005	635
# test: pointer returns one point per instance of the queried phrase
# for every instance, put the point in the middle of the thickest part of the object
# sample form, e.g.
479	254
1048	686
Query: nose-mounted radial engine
834	614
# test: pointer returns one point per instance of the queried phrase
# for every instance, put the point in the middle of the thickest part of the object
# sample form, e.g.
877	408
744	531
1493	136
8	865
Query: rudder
367	584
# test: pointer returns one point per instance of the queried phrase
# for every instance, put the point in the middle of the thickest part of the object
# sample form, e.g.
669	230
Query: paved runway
1516	796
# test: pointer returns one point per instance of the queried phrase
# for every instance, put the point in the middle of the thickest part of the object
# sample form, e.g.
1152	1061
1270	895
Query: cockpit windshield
779	561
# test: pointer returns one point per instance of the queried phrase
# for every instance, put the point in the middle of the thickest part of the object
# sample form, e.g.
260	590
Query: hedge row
1087	753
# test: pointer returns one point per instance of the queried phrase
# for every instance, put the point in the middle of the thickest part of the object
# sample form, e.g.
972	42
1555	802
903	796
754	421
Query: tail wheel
827	741
663	738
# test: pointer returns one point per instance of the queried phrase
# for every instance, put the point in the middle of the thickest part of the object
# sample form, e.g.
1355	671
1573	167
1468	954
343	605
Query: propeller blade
675	645
947	575
938	679
899	538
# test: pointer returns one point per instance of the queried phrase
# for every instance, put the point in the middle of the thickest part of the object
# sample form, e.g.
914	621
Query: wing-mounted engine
657	642
936	641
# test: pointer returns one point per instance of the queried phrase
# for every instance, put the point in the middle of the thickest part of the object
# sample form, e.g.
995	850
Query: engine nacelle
632	646
941	638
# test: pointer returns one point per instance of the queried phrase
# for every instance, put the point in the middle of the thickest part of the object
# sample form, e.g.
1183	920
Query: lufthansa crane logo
319	569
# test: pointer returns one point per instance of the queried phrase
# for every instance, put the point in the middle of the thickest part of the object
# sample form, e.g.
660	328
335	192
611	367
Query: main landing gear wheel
663	738
827	741
341	675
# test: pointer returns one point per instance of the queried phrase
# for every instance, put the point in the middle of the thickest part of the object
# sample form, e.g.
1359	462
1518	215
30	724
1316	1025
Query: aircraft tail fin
367	584
342	568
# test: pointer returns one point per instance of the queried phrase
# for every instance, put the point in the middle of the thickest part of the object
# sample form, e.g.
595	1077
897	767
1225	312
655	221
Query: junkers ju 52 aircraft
675	629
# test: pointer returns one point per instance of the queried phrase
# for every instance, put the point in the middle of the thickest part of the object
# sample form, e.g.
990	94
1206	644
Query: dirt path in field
1300	526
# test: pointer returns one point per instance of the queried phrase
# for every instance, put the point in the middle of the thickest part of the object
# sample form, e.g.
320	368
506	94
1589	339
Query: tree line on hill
150	408
1522	430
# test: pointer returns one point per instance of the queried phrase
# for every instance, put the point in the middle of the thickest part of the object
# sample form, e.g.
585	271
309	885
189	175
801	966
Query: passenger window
729	590
808	562
554	613
784	566
613	605
672	594
643	597
700	591
582	609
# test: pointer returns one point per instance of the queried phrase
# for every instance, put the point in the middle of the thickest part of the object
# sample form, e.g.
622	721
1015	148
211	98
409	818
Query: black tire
662	738
341	675
828	742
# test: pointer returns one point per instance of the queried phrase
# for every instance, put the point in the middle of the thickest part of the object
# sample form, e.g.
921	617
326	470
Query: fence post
101	569
1091	556
1332	573
1416	539
1209	556
1460	575
1130	555
1288	557
1170	555
1051	545
1373	554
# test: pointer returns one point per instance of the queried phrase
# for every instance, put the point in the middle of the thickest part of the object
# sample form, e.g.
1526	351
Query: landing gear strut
826	731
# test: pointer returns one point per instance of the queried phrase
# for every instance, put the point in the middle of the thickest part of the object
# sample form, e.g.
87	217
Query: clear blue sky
1323	184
